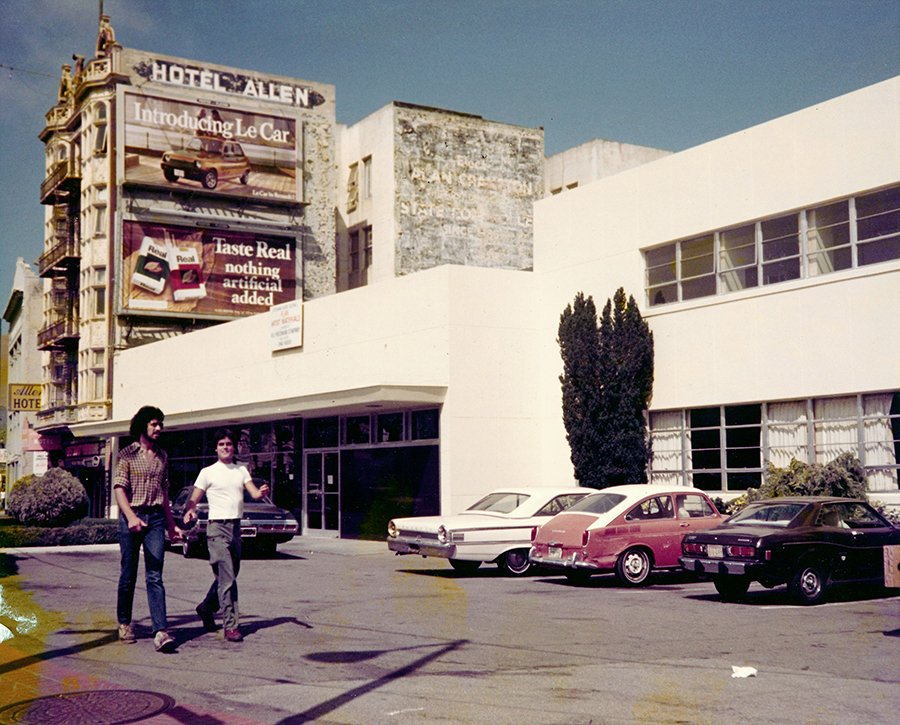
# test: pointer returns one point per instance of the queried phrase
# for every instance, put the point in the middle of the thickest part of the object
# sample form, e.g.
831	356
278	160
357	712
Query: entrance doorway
322	493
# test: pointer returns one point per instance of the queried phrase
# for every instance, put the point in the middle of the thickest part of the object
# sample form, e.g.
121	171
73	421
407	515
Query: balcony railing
59	411
59	258
62	183
58	333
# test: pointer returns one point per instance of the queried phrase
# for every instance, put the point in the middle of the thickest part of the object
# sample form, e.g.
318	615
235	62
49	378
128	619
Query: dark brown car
805	542
207	159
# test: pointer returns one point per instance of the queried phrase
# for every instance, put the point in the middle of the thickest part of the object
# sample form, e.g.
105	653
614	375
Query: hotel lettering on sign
25	397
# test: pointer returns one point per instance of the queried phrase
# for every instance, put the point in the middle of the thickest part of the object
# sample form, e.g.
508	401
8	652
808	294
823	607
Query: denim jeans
223	539
153	539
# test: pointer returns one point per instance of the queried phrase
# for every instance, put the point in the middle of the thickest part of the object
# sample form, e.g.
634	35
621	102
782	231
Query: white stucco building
767	264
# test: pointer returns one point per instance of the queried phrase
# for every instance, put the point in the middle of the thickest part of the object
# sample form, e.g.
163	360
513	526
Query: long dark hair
142	418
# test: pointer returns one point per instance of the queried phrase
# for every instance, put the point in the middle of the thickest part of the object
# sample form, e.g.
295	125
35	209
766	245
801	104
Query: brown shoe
126	634
233	635
209	621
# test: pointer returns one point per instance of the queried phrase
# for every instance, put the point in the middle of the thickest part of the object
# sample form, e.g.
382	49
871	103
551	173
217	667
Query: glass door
322	494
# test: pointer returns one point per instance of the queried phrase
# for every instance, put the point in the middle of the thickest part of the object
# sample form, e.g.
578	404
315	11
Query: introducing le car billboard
192	146
170	270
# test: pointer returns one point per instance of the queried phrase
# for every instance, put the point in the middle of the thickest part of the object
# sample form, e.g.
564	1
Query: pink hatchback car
630	530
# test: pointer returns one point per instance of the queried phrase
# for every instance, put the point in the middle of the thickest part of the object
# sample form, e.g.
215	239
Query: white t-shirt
224	486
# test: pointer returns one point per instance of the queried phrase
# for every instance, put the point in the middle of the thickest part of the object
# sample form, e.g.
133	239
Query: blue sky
669	74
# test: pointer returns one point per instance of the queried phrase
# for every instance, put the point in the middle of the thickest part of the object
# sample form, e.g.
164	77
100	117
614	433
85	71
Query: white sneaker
163	641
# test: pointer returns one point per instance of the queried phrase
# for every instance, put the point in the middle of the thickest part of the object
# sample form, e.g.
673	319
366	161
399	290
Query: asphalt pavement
340	631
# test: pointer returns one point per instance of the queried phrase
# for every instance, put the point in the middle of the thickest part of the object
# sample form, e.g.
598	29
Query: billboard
171	270
188	147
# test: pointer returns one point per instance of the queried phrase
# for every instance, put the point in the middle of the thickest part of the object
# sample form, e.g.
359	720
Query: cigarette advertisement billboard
192	147
169	270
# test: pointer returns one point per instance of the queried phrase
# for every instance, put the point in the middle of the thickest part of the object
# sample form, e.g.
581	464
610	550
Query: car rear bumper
571	561
701	565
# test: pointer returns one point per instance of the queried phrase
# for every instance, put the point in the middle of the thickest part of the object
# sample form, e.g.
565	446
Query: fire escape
60	264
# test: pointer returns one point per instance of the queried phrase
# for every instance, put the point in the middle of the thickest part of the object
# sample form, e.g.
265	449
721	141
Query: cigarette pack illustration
152	266
186	274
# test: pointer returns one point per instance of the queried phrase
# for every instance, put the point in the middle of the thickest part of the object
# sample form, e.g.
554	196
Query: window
357	429
737	258
353	188
811	242
828	238
425	424
359	256
728	447
780	249
100	129
697	263
559	503
878	226
367	178
390	428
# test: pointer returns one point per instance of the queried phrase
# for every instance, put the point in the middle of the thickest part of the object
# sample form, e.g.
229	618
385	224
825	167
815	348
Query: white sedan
497	528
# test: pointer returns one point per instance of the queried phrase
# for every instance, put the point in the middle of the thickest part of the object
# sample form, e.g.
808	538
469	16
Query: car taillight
741	552
585	537
534	532
442	534
392	529
690	547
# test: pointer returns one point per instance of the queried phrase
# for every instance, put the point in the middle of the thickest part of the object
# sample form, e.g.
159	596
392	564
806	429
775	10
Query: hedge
85	531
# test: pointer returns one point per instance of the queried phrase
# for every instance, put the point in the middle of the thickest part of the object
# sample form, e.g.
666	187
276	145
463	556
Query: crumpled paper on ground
743	671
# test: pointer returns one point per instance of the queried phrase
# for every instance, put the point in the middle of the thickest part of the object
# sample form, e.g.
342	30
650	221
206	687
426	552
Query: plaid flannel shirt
143	480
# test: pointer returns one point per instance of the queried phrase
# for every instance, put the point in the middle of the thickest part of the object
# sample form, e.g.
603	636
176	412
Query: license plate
714	551
178	172
248	532
554	552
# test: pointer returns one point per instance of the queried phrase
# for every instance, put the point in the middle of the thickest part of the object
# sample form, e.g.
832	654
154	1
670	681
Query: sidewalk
299	545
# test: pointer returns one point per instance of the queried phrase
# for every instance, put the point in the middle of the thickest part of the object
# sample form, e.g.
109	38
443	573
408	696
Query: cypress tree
606	392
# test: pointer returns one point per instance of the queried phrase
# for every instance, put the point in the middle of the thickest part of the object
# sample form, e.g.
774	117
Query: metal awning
356	400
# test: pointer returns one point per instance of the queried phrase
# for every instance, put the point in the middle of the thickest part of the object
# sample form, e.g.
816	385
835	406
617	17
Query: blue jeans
223	539
153	539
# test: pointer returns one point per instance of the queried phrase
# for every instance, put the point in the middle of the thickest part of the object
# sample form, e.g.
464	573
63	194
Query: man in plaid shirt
141	489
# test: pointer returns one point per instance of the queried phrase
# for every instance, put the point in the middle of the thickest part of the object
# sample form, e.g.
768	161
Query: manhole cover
98	707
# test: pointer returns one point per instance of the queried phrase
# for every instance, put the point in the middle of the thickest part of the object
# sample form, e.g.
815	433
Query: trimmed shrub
844	477
86	531
55	499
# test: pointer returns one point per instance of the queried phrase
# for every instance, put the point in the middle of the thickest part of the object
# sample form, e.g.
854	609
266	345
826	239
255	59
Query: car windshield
502	503
767	514
597	503
206	145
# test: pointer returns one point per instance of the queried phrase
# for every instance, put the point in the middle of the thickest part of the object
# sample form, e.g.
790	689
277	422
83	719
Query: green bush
55	499
844	477
86	531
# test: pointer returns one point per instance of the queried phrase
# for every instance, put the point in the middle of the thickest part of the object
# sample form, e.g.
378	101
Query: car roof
648	489
807	499
548	490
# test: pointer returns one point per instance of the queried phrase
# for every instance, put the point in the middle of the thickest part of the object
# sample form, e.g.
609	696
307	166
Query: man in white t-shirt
223	483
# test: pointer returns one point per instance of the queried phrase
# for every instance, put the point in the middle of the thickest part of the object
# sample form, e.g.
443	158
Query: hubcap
810	583
634	565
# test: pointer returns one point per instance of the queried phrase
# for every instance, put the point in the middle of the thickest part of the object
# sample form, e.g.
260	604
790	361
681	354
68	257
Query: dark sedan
807	543
263	525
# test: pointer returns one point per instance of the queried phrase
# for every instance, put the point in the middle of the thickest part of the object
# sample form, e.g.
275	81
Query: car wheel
211	179
577	576
515	562
464	566
245	177
633	567
170	175
731	588
808	584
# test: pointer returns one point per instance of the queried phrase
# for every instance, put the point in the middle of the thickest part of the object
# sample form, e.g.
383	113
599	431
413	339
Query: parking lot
345	632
